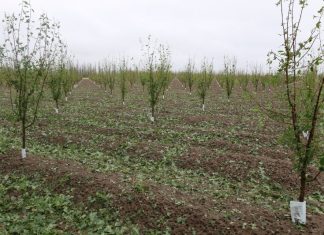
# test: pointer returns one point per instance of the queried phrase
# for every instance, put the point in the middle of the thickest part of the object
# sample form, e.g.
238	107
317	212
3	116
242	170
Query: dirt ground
219	172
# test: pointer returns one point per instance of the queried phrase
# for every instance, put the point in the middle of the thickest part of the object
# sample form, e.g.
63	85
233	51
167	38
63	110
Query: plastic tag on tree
298	212
306	134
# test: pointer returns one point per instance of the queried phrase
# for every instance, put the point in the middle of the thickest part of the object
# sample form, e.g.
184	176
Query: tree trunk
153	113
23	138
57	107
203	104
302	190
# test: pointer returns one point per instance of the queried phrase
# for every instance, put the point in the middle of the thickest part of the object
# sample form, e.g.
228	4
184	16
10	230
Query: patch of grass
29	207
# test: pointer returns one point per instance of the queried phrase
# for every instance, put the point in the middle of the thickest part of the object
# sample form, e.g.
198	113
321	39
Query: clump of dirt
277	153
196	119
242	167
147	150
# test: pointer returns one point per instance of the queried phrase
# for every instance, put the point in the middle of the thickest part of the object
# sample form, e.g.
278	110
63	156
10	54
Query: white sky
96	29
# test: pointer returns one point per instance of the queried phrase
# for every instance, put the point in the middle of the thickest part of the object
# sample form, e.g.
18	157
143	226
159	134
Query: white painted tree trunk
66	99
298	212
56	110
23	153
203	107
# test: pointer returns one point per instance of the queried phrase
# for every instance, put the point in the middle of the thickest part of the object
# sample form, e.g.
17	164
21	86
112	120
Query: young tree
112	77
133	75
57	76
55	84
183	79
243	79
69	79
303	88
165	69
153	84
123	79
29	52
256	75
143	78
189	74
102	75
158	69
229	75
204	81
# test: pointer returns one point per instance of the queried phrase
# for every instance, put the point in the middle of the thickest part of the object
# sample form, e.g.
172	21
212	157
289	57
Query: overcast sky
96	29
